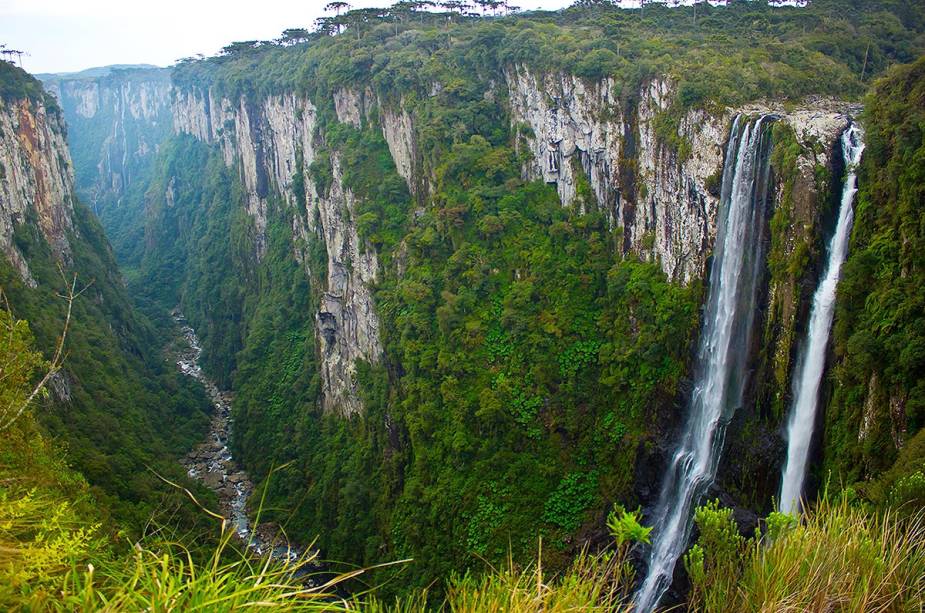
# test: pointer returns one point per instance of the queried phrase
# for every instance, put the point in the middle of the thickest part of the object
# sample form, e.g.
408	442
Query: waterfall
720	369
812	362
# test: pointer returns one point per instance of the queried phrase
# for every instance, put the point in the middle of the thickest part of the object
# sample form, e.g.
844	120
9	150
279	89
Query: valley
599	300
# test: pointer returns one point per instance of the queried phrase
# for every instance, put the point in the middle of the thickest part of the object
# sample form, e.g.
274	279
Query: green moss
667	128
789	255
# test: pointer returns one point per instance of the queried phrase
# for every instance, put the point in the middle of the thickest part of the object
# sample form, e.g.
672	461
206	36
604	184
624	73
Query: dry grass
839	557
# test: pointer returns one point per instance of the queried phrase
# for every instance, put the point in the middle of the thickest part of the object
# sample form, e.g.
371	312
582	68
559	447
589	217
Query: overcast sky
70	35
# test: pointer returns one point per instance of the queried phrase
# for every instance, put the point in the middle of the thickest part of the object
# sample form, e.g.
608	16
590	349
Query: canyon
461	305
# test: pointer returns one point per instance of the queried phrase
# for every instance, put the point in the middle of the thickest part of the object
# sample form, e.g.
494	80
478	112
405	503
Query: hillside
480	282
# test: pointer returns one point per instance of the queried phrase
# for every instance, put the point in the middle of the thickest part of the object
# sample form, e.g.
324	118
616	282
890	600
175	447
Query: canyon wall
657	185
36	179
271	144
115	391
654	170
117	121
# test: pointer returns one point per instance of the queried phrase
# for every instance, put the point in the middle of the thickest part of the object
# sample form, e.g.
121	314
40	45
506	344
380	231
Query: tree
493	6
358	18
327	25
401	11
421	6
294	36
11	52
455	6
240	48
337	7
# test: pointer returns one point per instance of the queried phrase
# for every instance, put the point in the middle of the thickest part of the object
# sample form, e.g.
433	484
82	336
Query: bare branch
58	358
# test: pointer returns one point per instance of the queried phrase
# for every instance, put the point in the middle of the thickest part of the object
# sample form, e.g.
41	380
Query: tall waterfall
812	361
722	353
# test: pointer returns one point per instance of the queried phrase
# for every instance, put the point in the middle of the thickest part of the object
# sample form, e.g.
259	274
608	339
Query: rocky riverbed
211	461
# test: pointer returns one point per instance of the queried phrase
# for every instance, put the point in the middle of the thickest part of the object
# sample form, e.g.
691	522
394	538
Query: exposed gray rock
272	143
665	207
398	131
132	109
35	175
348	325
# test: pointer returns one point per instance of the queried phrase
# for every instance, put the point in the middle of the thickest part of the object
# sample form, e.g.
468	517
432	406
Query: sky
70	35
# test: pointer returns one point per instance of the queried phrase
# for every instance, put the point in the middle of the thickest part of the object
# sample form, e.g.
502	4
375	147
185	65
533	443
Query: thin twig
58	358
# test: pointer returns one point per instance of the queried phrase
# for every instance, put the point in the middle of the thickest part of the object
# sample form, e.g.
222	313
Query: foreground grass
169	579
57	555
594	583
837	557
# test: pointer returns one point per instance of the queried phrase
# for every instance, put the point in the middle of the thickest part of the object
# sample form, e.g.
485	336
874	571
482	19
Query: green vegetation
17	84
829	47
792	244
838	557
113	151
59	550
525	357
109	402
528	361
518	327
56	553
117	390
880	320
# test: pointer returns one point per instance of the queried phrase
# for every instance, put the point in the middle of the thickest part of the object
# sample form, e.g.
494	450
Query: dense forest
519	365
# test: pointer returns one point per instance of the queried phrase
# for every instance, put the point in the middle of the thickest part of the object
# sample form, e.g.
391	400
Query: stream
212	463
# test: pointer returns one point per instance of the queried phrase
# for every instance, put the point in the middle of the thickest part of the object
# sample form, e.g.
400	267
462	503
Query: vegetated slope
877	412
528	359
118	404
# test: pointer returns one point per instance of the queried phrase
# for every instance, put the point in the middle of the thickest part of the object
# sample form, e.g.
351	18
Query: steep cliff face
656	176
271	142
118	122
348	325
654	173
109	402
355	107
35	179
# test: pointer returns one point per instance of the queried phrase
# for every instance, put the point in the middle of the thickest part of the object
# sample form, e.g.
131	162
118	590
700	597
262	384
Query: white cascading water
812	363
720	370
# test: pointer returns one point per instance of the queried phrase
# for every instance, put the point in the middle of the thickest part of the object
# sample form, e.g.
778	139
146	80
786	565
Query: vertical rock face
676	211
576	126
353	107
662	203
118	121
35	179
348	326
664	197
398	131
272	142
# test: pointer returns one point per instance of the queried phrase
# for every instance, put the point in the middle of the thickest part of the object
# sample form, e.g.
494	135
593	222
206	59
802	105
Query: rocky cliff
115	391
119	120
654	170
271	142
36	179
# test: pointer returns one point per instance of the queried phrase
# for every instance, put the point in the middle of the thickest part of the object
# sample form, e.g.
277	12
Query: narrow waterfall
812	362
722	353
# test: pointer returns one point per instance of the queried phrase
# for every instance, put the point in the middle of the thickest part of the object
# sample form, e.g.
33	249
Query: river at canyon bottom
212	463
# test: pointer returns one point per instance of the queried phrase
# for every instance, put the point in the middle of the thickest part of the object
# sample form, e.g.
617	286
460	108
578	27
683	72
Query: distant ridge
94	73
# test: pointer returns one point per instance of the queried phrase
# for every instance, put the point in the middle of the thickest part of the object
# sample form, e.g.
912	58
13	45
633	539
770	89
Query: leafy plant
624	526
